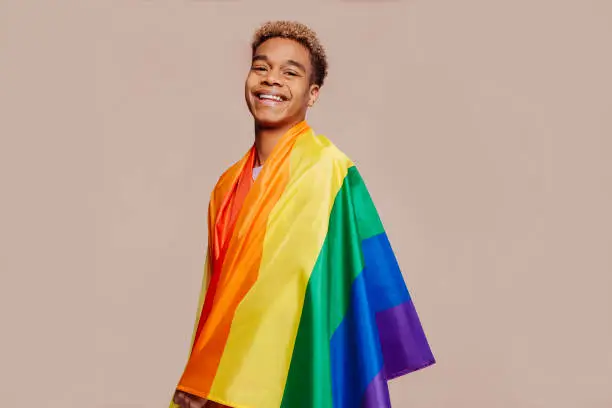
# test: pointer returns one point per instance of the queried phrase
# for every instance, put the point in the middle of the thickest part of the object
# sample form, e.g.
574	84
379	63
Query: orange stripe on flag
237	268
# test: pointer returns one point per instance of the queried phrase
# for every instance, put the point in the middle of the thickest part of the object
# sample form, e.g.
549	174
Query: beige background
483	129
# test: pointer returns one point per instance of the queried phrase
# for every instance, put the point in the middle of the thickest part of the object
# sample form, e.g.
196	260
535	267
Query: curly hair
301	33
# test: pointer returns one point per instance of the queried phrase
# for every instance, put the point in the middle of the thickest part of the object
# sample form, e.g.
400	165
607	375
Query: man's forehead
282	56
281	61
282	48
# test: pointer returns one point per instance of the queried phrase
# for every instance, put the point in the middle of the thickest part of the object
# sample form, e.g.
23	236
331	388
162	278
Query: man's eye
258	68
291	73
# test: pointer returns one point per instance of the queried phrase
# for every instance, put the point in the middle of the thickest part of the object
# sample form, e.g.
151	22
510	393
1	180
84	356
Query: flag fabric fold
303	303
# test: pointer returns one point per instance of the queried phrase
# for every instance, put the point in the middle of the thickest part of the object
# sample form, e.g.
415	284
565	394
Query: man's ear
314	94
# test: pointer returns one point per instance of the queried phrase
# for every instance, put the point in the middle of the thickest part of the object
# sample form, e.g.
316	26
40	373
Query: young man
303	303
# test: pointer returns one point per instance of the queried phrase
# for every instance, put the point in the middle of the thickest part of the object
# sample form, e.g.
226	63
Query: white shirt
256	171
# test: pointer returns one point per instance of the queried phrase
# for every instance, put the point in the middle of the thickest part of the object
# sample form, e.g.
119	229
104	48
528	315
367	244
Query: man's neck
266	139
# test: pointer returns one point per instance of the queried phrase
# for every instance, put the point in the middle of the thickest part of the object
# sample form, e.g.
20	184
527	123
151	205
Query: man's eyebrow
260	58
297	64
289	62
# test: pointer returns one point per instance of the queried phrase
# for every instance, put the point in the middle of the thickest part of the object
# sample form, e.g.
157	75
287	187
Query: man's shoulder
226	179
328	151
231	171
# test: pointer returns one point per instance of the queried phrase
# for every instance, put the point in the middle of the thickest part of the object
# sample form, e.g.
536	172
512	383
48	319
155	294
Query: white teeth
271	97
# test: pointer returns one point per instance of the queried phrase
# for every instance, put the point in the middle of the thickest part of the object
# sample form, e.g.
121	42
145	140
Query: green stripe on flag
328	294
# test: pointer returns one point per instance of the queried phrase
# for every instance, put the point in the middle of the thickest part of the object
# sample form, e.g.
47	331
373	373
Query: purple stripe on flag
404	346
377	393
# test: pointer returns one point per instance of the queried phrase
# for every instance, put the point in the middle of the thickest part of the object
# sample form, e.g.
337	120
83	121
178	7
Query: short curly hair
301	33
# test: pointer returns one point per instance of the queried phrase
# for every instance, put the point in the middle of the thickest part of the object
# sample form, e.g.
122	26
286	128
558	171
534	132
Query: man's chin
267	122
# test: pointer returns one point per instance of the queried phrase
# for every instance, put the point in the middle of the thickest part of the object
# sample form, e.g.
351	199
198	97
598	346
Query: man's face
278	88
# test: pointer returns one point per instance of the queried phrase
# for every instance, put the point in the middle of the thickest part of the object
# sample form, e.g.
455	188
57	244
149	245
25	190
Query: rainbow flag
303	304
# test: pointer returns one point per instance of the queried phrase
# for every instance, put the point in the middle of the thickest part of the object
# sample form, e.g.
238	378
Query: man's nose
272	78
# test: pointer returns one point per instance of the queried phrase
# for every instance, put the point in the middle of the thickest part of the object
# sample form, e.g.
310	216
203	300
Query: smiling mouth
262	96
